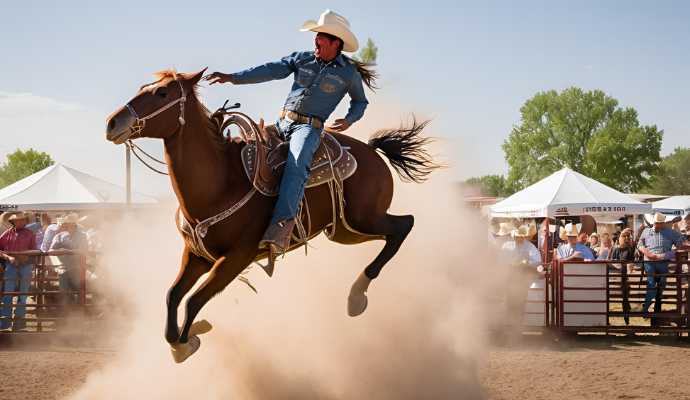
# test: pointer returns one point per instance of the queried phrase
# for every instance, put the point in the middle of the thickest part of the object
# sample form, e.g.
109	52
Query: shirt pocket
332	83
305	77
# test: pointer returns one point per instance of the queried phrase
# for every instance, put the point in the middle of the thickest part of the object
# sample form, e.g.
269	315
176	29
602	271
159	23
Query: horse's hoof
200	327
356	304
182	351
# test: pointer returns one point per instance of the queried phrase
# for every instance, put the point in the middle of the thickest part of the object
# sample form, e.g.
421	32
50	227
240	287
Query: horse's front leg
222	273
191	268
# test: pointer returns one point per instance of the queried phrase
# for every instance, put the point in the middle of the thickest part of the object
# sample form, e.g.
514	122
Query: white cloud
14	104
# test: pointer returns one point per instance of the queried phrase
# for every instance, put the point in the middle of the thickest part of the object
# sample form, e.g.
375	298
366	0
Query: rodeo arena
321	249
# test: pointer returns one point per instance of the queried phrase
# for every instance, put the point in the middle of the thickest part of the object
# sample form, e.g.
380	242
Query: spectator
16	239
70	237
520	251
685	227
49	235
656	244
593	241
498	238
624	250
604	251
573	249
523	258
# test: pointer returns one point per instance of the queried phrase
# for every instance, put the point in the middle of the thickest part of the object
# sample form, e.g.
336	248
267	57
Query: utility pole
128	185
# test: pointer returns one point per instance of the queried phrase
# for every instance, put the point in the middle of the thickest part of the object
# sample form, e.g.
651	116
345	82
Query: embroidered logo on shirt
331	83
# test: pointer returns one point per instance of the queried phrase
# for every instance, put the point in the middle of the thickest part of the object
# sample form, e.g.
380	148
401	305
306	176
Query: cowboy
523	258
656	244
498	237
321	79
69	237
572	249
16	239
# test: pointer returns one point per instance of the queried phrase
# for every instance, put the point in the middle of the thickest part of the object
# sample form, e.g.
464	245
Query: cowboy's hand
218	77
339	125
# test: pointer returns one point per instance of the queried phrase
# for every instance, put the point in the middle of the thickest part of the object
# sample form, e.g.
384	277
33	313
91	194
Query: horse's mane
212	124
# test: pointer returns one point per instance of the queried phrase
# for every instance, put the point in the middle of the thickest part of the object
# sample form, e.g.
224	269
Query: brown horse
207	176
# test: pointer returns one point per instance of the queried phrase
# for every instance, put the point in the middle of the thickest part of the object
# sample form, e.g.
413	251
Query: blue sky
469	65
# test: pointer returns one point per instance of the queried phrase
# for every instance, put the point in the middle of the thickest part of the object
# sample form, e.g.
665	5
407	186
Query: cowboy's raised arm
358	101
280	69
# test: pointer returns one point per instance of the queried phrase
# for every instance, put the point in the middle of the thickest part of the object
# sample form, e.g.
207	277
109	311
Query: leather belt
297	117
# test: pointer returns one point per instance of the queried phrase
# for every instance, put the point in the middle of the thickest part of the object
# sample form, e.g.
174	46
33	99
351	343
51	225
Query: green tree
673	176
585	131
368	53
21	164
490	185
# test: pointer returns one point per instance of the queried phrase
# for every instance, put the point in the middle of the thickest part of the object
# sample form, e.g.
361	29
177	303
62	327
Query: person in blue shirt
322	78
573	249
656	244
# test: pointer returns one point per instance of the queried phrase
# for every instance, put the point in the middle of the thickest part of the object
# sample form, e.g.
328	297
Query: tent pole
128	168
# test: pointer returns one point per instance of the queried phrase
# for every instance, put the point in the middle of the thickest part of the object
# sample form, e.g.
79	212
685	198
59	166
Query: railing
47	304
604	295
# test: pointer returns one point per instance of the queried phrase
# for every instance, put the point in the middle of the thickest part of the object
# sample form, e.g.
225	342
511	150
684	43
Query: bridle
140	122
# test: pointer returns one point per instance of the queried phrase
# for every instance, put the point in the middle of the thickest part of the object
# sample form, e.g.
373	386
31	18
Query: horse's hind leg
192	267
395	228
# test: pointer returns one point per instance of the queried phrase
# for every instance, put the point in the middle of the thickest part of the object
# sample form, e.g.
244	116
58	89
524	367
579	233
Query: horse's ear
194	78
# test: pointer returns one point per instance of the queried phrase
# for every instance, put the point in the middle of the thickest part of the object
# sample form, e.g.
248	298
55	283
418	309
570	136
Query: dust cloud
423	336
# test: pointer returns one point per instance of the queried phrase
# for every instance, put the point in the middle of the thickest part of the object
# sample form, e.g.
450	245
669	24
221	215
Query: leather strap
297	117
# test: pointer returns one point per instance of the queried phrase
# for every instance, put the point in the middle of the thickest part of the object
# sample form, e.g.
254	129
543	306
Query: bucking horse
226	187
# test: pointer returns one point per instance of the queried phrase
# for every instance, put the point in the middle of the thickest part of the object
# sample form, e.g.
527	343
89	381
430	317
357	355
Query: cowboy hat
17	215
505	229
336	25
523	232
71	218
569	230
658	218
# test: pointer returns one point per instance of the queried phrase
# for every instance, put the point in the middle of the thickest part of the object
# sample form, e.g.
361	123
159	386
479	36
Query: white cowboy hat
336	25
569	230
658	218
71	218
523	232
505	229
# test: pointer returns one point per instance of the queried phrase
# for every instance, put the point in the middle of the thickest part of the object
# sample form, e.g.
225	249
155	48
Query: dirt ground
580	368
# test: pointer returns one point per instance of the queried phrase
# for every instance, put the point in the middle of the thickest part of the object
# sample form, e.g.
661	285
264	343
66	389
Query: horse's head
157	111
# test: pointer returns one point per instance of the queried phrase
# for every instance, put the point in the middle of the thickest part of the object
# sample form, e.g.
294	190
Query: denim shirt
318	86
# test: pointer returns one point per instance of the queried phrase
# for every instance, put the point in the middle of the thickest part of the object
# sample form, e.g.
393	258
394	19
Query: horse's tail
404	148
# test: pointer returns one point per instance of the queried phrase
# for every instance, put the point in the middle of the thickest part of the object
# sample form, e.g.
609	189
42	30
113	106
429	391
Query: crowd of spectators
37	235
652	250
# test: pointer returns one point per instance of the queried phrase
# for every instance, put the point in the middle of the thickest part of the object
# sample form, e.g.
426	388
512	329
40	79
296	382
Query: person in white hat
522	259
69	237
572	249
16	267
656	244
322	78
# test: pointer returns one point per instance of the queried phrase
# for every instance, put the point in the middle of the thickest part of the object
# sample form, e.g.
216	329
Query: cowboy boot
276	240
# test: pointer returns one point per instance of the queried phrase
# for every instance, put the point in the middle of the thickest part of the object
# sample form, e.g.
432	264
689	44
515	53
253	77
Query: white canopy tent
59	188
676	205
568	193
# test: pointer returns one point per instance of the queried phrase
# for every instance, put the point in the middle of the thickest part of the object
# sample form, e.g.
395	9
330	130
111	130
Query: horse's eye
161	92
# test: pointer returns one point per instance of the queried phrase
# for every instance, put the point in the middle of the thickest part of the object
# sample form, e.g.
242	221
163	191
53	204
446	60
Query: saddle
266	151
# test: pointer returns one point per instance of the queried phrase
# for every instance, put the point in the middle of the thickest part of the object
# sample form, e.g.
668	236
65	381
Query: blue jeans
304	140
654	282
12	273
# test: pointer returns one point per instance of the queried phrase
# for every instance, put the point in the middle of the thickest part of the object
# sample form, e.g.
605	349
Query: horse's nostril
111	124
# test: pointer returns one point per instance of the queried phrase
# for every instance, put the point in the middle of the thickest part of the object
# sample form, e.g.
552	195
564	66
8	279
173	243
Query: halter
140	122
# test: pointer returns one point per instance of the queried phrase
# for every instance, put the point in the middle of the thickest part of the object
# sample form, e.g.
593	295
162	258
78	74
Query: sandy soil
582	368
